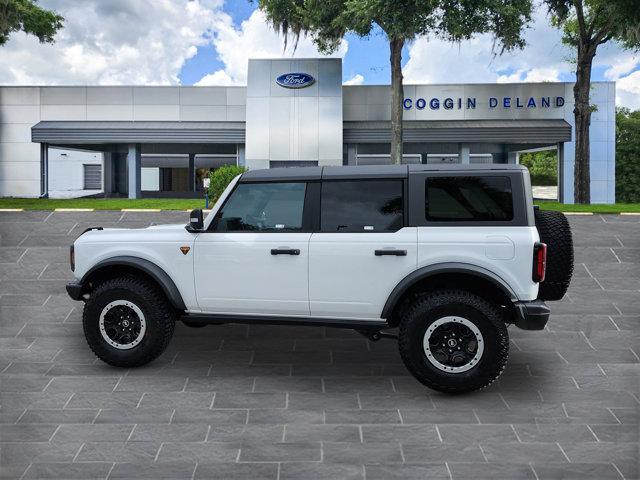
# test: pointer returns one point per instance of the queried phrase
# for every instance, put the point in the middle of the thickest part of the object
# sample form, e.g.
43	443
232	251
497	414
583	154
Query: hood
171	226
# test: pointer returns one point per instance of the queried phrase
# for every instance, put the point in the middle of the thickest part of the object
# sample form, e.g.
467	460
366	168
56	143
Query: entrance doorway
544	169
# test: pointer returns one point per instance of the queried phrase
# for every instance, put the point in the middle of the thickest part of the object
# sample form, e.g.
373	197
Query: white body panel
159	244
505	251
236	273
346	278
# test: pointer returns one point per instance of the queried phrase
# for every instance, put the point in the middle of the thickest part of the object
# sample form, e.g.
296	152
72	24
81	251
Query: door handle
394	252
285	251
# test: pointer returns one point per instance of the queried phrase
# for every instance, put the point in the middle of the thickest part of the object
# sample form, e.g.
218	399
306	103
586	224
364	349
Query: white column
464	153
561	173
133	170
241	160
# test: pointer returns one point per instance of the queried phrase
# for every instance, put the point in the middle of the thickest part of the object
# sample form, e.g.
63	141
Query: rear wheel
453	341
128	321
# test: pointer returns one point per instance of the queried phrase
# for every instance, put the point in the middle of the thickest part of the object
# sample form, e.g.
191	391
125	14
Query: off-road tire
432	306
555	231
160	318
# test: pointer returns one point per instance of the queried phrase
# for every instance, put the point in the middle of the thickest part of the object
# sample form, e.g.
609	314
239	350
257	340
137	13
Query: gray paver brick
407	472
238	471
84	471
320	471
352	452
280	452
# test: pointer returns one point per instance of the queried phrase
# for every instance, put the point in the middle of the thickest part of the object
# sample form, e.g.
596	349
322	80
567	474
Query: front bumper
532	315
74	289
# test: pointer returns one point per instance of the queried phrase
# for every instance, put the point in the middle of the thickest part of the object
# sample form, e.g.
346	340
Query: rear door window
468	199
361	206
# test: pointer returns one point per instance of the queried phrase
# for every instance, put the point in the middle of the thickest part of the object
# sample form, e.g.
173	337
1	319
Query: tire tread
162	311
440	298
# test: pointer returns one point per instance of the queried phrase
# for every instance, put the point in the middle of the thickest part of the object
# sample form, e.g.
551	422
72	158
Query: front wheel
453	341
128	321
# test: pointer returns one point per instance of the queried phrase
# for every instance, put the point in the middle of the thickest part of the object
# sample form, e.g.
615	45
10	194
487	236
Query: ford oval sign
295	80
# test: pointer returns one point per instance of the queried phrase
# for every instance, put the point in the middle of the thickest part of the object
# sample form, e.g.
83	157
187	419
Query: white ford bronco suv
450	255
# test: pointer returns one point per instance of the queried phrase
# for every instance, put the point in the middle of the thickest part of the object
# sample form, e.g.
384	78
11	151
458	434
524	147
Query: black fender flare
439	268
154	271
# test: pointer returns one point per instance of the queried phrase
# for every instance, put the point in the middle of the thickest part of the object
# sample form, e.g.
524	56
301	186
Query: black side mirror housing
196	221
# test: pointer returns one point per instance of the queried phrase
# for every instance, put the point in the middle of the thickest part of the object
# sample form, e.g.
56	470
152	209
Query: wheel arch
113	266
447	275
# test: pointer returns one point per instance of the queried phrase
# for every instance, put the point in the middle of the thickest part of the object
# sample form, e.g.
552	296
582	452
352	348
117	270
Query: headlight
72	258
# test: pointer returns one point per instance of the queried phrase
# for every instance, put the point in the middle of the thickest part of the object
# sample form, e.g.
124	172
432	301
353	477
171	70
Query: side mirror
196	222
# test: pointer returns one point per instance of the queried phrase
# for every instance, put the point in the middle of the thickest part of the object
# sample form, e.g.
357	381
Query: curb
145	210
73	209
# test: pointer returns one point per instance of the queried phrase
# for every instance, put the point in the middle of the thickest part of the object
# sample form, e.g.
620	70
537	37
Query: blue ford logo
295	80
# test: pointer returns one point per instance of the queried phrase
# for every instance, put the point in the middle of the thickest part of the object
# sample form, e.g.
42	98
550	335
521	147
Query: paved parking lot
287	402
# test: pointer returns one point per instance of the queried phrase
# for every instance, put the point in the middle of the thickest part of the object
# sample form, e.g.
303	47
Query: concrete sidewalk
304	402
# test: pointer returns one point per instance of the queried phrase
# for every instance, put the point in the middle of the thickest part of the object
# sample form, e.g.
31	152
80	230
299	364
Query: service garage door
92	177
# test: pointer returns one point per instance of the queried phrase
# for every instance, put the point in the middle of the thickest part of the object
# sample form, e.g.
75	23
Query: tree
28	17
328	21
543	167
627	155
587	24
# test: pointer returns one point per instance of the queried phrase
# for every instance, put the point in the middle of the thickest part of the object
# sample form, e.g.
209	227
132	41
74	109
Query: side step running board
219	319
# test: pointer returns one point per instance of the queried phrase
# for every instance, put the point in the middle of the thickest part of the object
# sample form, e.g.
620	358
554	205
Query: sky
208	42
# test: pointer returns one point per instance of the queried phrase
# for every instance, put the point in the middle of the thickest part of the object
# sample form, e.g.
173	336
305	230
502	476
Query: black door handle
285	251
396	253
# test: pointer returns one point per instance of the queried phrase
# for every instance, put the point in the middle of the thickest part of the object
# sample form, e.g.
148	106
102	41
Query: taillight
72	258
539	261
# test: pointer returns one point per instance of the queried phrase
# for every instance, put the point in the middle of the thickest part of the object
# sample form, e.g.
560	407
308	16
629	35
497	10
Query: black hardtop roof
367	171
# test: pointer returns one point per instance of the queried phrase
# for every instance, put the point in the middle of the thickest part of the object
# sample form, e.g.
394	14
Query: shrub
543	166
627	156
220	178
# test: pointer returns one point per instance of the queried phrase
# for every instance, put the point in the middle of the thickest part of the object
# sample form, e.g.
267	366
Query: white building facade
162	141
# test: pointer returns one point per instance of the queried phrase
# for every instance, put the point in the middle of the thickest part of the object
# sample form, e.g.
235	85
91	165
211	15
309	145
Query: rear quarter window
469	199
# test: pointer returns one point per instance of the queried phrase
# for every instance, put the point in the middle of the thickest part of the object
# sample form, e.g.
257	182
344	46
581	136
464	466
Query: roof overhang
437	131
58	132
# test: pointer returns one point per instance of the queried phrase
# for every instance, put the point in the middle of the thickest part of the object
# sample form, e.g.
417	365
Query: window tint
470	199
361	206
263	207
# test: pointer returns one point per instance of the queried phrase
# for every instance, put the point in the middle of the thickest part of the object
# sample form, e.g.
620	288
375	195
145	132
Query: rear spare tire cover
555	231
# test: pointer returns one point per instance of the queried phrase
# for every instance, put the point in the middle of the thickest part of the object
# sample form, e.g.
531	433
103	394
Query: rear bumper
532	315
74	289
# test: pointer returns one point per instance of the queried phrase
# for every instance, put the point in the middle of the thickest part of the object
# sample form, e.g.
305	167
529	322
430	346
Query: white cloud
253	39
628	91
357	79
114	42
531	75
433	60
545	58
219	77
622	65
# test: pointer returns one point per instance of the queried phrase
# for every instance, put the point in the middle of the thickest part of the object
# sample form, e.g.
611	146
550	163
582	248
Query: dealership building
147	141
